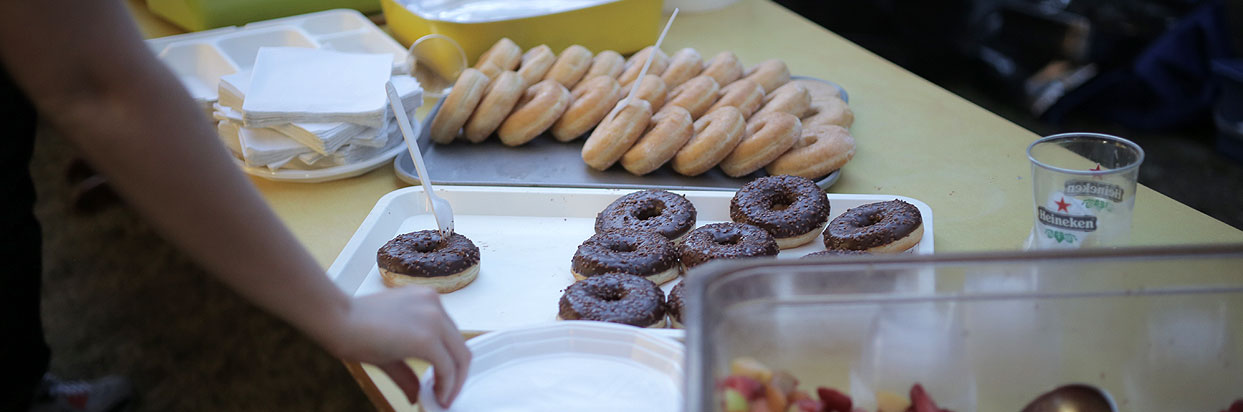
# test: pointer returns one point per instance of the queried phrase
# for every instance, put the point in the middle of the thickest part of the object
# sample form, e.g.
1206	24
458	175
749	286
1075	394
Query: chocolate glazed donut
793	209
675	304
422	258
637	252
655	210
882	227
617	298
727	240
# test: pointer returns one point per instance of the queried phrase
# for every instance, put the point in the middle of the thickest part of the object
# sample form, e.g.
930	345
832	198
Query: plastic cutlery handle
403	122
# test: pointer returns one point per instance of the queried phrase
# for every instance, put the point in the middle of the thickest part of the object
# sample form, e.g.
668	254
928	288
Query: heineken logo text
1064	221
1095	189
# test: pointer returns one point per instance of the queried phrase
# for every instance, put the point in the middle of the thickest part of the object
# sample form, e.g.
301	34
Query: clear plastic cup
1084	190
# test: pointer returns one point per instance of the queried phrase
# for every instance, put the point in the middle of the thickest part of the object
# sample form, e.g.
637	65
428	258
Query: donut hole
780	201
623	247
649	212
872	219
728	240
612	294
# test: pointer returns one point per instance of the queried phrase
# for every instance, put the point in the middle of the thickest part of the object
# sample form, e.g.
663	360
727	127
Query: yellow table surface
914	139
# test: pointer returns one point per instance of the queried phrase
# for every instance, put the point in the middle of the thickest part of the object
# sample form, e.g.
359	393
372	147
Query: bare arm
91	77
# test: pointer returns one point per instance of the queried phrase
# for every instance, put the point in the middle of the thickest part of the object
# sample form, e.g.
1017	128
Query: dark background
1082	65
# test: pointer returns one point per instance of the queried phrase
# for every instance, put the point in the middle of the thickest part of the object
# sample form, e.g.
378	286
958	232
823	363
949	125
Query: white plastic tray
569	366
200	58
526	237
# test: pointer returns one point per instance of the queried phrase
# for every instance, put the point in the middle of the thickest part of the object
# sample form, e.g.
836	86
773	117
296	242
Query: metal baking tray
545	162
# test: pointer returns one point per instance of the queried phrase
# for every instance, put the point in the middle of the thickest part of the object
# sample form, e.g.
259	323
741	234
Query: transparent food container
1156	329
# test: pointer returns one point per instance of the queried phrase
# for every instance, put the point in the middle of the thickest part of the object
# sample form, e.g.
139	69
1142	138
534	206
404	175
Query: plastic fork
441	210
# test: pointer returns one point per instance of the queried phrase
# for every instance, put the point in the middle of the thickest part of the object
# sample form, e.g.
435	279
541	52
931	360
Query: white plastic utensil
634	86
441	209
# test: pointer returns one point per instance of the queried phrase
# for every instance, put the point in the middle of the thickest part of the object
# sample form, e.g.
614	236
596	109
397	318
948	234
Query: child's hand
386	328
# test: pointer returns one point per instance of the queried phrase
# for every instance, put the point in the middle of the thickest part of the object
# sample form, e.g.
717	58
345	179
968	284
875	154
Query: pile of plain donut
647	238
691	114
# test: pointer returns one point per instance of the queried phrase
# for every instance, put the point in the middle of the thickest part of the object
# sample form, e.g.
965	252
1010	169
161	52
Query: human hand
386	328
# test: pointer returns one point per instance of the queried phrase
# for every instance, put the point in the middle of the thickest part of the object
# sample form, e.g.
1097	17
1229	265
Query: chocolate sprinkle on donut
632	251
655	210
614	297
872	225
422	254
729	240
785	206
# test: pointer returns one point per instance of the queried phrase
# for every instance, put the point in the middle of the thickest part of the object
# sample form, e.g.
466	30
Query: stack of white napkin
311	108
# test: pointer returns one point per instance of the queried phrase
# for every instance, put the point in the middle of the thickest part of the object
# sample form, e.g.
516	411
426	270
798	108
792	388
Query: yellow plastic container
624	26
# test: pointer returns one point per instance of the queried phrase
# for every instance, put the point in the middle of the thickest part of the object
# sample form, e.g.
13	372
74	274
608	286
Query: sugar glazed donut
458	105
504	54
882	227
498	100
616	133
654	210
725	68
729	240
820	151
617	298
790	98
696	95
675	304
589	102
684	65
634	65
716	135
769	74
570	66
535	64
636	252
744	94
818	89
606	63
793	209
652	89
541	105
767	137
829	112
667	132
421	258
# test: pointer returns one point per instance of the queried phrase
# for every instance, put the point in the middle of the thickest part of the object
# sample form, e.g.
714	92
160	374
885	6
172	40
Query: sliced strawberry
833	400
921	402
1237	406
750	389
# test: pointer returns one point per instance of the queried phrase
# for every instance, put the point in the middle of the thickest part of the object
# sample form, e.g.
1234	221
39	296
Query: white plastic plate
526	238
569	366
325	174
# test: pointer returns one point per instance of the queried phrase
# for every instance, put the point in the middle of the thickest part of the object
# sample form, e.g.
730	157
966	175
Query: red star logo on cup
1062	205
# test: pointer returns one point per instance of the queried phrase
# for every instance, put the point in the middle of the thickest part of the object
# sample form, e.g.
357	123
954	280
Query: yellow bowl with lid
624	26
